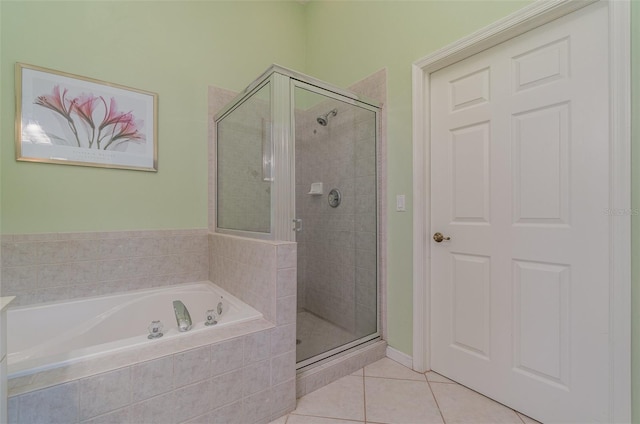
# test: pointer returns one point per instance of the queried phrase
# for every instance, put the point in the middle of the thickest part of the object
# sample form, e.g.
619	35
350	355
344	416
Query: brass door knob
438	237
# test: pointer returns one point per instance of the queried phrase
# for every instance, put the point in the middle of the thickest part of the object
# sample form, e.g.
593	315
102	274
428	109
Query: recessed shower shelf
316	189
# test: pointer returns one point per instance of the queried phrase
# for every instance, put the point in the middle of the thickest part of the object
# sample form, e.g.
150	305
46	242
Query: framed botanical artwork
69	119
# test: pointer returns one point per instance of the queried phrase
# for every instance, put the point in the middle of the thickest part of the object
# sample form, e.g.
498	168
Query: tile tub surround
260	389
39	268
245	379
260	272
263	274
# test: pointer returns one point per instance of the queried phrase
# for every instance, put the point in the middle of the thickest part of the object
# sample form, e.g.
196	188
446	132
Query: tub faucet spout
182	316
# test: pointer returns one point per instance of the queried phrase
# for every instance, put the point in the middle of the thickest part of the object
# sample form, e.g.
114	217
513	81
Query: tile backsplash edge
63	266
99	235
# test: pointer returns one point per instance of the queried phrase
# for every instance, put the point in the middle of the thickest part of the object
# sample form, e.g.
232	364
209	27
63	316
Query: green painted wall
175	49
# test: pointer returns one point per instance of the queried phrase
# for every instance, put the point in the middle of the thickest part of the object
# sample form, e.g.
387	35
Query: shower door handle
297	224
267	152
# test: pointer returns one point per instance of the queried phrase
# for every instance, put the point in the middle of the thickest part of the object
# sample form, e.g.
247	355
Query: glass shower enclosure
297	161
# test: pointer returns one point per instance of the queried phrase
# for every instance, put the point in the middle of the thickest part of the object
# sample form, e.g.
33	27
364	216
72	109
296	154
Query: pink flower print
58	103
112	116
125	130
113	130
85	106
123	126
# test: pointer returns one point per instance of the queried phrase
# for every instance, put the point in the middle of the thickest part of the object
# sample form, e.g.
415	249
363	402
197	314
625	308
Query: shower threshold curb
319	375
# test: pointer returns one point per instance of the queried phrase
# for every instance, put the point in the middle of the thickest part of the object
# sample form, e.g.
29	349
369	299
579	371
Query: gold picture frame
73	120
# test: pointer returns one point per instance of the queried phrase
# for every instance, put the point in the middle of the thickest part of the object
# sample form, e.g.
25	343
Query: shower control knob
335	197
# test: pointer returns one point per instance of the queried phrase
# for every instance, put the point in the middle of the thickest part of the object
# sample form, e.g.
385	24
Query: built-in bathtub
57	334
87	359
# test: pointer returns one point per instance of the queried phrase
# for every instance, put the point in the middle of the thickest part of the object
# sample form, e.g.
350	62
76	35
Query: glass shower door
335	173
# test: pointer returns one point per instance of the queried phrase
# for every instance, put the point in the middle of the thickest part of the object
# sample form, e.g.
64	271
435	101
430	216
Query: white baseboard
399	357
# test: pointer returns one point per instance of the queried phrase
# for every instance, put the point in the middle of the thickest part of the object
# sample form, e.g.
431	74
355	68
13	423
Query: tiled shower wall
58	266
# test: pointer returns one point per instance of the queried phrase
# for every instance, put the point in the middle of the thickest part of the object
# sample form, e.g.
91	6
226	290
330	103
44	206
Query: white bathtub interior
55	334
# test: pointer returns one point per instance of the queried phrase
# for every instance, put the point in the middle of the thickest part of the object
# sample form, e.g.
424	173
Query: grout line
436	401
433	372
443	382
325	417
364	394
484	396
519	416
397	378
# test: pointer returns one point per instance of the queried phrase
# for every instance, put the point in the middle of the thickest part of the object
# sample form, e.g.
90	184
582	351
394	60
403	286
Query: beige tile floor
387	392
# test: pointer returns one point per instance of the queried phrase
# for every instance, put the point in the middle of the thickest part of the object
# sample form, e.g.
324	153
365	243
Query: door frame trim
526	19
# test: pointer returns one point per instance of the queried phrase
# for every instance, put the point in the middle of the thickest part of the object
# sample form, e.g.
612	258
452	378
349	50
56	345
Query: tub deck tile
158	349
227	356
151	378
192	401
54	404
191	366
105	392
157	410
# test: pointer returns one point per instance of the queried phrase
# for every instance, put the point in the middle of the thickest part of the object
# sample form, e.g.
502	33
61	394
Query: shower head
324	119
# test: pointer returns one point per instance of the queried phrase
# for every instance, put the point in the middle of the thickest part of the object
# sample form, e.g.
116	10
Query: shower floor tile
317	335
387	392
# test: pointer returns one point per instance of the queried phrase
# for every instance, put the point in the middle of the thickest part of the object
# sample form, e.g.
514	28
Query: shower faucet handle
297	224
155	330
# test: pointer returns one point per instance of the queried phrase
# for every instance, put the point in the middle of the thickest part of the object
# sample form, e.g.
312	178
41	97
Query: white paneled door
520	186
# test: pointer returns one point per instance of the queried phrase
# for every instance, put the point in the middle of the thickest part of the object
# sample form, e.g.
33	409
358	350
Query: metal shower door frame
374	107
